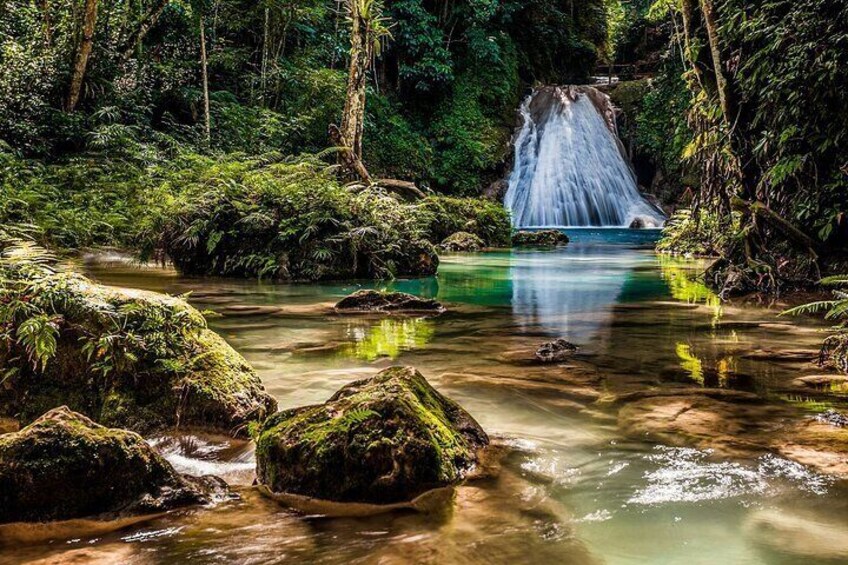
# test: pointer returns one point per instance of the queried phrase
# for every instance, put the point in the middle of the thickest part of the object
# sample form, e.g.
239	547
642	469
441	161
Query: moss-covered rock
461	242
364	301
65	466
125	358
381	440
541	238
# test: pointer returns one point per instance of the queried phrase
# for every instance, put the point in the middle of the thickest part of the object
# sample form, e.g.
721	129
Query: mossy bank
125	358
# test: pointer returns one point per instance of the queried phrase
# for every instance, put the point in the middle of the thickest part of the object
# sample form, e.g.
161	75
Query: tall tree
205	71
83	53
367	32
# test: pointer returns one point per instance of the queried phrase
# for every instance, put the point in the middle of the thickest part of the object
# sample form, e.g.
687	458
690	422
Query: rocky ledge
382	440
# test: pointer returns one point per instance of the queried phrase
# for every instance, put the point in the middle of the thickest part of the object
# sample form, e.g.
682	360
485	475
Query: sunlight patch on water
687	475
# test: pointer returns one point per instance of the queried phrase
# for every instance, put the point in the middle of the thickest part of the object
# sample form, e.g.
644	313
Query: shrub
285	219
487	220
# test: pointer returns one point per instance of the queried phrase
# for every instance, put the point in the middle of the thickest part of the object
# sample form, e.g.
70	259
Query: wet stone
556	351
542	238
365	301
383	440
833	418
65	466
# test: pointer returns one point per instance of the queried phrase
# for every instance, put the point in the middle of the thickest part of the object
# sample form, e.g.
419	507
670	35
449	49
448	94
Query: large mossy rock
541	238
461	242
64	466
381	440
125	358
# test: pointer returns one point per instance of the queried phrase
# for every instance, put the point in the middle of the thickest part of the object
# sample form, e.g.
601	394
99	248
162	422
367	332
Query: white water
569	170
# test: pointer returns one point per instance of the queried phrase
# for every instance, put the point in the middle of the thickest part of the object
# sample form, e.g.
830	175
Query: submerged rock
542	238
65	466
556	351
833	418
125	358
462	242
375	301
638	224
381	440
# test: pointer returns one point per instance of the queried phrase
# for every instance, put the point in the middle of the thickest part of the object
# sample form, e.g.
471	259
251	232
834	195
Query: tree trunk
203	63
722	85
47	25
83	54
354	112
266	38
146	24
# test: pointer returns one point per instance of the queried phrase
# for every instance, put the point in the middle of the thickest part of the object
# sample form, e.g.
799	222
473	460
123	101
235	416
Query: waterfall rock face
570	169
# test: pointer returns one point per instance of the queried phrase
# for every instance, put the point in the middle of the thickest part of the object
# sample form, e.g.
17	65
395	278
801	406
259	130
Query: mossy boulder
461	242
64	466
125	358
364	301
541	238
382	440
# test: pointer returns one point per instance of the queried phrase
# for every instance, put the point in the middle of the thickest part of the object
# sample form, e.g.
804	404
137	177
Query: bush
700	234
488	220
285	219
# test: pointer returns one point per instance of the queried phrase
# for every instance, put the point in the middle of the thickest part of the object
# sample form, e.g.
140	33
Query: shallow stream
584	478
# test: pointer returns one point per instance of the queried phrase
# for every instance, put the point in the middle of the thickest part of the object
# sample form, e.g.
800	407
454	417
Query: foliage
287	219
446	82
835	348
442	216
698	233
768	135
38	300
795	89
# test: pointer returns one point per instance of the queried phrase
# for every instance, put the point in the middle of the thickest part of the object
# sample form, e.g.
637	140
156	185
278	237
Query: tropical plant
835	348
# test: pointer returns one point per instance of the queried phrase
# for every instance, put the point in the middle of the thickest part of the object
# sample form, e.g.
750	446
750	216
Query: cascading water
570	169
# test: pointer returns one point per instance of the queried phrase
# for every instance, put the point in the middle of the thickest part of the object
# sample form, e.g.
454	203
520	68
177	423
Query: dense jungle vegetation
136	123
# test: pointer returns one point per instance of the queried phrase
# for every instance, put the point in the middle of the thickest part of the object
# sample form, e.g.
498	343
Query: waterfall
570	169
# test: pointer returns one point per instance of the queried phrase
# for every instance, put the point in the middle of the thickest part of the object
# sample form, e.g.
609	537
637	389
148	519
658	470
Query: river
583	477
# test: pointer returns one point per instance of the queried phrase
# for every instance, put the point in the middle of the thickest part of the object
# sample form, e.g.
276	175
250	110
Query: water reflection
571	291
387	338
684	284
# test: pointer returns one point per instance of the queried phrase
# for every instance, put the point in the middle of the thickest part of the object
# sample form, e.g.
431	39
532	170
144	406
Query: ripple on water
689	475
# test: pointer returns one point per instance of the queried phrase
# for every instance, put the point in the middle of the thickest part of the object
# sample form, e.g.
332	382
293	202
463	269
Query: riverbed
677	434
